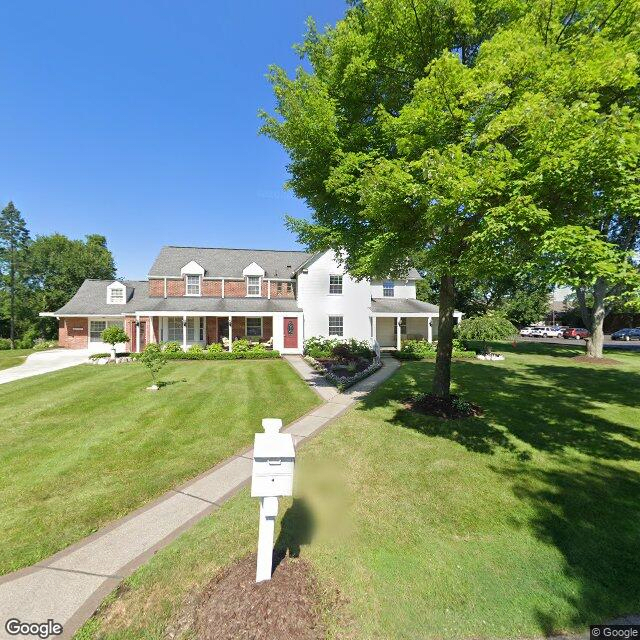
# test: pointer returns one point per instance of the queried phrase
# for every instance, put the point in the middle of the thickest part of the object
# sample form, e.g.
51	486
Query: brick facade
175	288
213	288
235	289
73	333
156	287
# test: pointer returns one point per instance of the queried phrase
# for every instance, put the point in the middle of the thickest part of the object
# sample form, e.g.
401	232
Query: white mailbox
273	461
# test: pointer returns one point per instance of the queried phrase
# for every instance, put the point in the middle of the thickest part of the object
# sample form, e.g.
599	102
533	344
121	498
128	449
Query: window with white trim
116	295
336	325
253	285
195	329
335	284
174	329
193	285
96	327
253	327
284	287
388	289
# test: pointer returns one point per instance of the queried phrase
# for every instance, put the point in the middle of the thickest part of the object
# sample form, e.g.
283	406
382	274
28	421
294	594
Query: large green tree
14	242
59	265
402	148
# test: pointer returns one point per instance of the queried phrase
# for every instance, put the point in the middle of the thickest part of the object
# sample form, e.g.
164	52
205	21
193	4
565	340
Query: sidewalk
69	586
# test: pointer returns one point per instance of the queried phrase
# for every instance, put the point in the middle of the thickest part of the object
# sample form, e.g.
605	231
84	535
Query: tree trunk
12	294
596	328
442	376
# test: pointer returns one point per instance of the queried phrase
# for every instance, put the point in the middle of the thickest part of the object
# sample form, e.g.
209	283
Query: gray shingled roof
227	263
401	305
91	299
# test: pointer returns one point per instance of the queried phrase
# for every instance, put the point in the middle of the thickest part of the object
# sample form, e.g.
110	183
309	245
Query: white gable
192	268
253	269
115	297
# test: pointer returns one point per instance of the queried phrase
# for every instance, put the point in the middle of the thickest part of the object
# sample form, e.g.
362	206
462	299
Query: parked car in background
525	332
575	333
546	332
626	334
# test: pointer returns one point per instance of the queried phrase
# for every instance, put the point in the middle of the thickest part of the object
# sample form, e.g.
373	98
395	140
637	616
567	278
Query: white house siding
385	333
353	305
402	289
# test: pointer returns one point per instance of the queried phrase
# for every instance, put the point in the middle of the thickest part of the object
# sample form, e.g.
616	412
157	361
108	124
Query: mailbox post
273	461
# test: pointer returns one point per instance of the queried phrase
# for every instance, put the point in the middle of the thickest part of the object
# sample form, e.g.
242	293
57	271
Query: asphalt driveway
608	343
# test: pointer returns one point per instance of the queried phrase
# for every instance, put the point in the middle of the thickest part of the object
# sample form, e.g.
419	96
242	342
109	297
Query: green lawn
13	357
86	445
517	524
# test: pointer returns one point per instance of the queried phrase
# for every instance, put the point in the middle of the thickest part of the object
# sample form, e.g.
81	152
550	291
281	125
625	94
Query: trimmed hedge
255	354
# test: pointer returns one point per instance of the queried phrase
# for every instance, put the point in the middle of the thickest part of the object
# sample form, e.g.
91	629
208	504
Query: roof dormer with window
192	273
116	293
253	275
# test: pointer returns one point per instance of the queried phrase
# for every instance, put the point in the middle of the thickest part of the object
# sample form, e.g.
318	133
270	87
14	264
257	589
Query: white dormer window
388	289
116	293
253	285
192	285
253	275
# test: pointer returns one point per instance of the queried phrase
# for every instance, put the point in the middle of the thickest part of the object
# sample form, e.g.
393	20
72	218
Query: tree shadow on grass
550	408
591	514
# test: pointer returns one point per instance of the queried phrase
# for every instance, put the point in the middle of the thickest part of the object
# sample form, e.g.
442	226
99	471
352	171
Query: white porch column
230	333
374	327
184	333
222	288
429	329
137	333
152	331
399	336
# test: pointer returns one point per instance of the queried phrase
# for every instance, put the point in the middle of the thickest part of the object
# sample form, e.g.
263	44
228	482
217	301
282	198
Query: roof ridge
178	246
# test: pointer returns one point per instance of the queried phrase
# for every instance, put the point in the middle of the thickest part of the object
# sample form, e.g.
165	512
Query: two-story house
197	295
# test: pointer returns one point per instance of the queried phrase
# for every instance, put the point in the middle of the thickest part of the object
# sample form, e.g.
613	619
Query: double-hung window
336	326
335	284
254	327
195	329
193	285
388	289
174	329
253	285
96	327
116	295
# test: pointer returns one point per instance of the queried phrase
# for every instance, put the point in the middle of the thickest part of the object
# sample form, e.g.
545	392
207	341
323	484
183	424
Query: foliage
28	338
241	345
215	347
250	354
114	335
521	120
5	344
423	349
343	382
43	345
172	347
154	359
195	348
319	347
485	328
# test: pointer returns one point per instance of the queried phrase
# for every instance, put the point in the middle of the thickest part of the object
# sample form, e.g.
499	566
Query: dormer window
388	289
192	285
116	293
253	285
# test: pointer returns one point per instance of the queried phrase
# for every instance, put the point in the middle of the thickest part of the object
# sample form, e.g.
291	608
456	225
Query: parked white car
526	332
546	332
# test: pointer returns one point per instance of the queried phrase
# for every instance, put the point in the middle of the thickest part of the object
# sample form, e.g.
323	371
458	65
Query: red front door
291	333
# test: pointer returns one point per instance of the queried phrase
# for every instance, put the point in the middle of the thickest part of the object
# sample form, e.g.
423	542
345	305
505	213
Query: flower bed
342	382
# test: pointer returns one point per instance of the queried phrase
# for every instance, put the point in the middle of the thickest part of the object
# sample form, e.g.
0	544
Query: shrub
43	345
172	347
341	351
114	335
215	347
485	328
251	354
240	346
99	356
417	349
195	348
360	348
318	347
5	344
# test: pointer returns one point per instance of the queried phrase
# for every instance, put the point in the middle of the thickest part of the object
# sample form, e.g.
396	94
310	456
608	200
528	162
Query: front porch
277	330
391	331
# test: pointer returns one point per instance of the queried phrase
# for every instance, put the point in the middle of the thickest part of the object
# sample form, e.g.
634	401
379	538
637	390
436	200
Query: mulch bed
234	607
596	361
445	408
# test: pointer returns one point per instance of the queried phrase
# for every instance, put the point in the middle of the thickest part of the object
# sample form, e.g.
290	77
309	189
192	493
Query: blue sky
138	120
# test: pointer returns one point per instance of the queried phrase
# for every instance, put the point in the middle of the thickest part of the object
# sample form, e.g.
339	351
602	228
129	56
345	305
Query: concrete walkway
44	362
69	586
